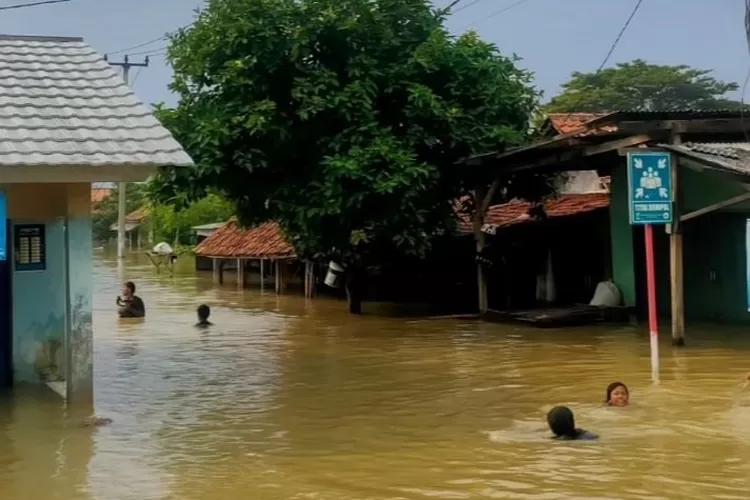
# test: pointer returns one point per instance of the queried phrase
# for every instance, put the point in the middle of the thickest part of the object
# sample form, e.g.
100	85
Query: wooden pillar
675	255
477	223
240	273
140	238
262	274
309	282
277	271
221	271
216	269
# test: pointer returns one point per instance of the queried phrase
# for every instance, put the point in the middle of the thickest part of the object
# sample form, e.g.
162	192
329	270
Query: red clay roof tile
259	242
517	212
565	123
100	194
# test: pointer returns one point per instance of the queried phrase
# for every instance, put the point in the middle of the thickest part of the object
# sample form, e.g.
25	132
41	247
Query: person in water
563	425
617	394
203	313
129	305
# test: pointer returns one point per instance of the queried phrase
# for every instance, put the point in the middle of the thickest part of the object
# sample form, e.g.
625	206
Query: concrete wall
40	302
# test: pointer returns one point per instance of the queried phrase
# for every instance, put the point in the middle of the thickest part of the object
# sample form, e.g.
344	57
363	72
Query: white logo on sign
650	179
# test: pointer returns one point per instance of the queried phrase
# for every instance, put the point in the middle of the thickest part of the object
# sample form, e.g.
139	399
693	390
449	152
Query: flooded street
287	399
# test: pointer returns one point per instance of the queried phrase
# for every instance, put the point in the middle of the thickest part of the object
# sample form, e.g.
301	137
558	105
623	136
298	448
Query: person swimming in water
617	394
563	425
203	313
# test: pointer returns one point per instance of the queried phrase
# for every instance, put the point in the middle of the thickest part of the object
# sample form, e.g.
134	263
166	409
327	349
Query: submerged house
135	228
260	255
67	120
701	260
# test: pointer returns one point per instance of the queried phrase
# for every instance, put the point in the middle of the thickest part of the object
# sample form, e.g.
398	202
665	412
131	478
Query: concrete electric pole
122	186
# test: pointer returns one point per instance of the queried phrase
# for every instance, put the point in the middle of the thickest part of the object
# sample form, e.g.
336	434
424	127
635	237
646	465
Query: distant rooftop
62	104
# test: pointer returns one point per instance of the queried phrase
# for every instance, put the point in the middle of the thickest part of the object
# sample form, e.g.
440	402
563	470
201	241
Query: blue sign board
650	187
3	226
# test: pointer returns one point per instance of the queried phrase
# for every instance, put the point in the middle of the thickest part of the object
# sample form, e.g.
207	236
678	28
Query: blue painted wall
39	312
81	289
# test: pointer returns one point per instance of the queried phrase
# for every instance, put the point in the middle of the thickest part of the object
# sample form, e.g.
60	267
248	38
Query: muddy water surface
287	399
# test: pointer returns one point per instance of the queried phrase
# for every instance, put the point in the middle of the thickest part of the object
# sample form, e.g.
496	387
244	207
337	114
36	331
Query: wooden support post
262	274
277	270
240	273
216	270
308	280
480	194
675	256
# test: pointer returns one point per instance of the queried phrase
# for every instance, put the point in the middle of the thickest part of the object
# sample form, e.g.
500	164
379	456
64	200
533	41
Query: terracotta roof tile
231	240
517	212
565	123
100	194
137	216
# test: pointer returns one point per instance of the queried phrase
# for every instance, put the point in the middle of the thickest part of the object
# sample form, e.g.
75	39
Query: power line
506	9
473	2
609	54
128	49
150	52
31	4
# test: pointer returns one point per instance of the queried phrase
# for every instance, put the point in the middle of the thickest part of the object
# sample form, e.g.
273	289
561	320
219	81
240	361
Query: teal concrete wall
80	271
39	312
623	263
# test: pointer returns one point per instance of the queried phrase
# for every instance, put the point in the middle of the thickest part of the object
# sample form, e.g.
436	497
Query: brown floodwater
291	399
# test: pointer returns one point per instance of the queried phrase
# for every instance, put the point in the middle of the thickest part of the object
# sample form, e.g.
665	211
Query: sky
553	37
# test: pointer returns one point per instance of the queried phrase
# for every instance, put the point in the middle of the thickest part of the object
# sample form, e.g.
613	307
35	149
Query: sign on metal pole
650	187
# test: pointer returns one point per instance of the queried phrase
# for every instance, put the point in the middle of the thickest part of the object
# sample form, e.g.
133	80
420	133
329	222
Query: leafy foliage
640	86
174	224
341	120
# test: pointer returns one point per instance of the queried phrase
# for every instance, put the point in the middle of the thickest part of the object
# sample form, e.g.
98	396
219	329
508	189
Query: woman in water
617	394
563	425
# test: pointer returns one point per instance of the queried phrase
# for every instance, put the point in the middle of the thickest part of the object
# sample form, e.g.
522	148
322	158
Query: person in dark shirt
562	424
129	305
203	313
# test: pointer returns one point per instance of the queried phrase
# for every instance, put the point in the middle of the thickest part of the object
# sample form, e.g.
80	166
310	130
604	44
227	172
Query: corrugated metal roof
731	156
213	225
265	241
62	104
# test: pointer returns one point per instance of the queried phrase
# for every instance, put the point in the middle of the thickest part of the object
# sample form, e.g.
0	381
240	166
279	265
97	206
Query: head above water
203	312
561	421
128	289
617	394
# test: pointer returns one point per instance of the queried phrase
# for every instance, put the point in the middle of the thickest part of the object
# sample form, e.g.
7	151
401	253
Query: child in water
562	424
617	394
203	313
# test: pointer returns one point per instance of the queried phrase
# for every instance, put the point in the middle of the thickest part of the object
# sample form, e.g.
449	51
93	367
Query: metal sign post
650	199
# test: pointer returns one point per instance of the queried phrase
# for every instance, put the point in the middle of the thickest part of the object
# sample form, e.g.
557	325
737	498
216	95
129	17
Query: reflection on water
291	399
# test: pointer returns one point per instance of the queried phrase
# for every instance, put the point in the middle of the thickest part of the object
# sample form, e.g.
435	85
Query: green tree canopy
175	224
640	86
341	120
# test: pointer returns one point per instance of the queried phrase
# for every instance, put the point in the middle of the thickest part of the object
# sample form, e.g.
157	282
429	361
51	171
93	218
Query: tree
342	121
174	224
105	211
638	85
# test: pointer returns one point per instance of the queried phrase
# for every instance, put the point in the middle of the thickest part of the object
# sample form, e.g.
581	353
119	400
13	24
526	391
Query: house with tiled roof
67	120
701	256
258	254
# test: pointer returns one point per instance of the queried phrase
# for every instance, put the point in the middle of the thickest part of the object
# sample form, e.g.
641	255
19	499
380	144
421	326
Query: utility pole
122	186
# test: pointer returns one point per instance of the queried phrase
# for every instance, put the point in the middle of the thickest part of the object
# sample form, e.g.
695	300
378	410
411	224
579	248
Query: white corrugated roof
61	104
